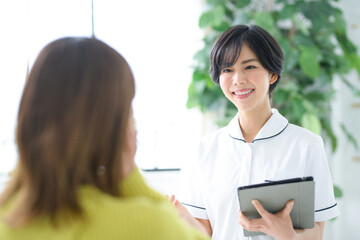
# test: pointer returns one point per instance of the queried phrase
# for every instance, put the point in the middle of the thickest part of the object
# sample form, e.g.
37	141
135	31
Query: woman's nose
238	78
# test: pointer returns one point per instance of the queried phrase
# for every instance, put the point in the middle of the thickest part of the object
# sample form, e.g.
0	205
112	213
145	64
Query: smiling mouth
243	93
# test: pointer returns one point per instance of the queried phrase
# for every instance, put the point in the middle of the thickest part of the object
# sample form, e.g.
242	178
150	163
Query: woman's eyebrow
249	60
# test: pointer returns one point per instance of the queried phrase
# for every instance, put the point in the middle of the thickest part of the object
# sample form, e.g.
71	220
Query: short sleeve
317	166
192	196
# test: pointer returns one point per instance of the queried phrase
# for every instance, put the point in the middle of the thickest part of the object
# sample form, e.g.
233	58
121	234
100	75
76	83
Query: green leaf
298	107
311	122
291	59
199	75
317	96
288	11
324	78
349	49
317	12
212	17
216	1
351	87
324	40
242	3
199	86
266	21
219	13
229	14
224	122
222	26
309	61
303	28
342	64
289	85
353	58
209	82
209	40
350	137
202	58
301	39
337	191
193	99
281	96
347	46
206	19
291	54
309	106
200	55
339	21
231	109
330	134
211	99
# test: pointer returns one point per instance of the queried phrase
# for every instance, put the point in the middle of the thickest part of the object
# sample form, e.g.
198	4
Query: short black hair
227	48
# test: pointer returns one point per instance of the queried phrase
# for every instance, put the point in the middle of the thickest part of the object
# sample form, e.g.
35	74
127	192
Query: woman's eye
226	70
250	67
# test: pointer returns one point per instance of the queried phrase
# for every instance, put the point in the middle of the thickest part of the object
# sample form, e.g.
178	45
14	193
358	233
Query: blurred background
167	44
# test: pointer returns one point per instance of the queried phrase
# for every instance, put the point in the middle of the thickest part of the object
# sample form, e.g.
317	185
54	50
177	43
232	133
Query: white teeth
243	93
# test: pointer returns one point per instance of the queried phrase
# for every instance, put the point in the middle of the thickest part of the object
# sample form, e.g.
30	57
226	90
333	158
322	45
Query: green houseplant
313	37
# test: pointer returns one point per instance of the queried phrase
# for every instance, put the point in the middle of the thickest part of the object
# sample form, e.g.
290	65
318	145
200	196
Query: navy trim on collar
271	136
238	139
274	126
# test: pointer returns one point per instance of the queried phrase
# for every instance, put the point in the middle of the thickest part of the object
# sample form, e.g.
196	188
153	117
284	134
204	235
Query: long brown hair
72	120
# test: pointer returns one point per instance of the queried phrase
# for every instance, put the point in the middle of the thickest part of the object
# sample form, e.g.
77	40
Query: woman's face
246	83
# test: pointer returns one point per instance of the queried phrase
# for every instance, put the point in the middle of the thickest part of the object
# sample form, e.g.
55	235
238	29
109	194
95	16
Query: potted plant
313	37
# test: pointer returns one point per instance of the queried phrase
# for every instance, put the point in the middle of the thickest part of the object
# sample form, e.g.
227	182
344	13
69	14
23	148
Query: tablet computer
274	195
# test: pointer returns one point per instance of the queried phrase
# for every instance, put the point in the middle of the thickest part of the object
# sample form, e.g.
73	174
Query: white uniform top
279	151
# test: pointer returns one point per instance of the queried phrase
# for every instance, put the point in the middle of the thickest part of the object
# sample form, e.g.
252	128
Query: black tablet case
274	195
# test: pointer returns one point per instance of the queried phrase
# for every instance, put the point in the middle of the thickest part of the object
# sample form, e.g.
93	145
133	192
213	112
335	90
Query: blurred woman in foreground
76	177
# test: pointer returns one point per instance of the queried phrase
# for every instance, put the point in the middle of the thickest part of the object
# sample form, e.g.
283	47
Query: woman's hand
182	211
129	150
202	225
277	225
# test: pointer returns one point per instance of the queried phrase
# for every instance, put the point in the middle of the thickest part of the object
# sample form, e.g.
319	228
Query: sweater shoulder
136	218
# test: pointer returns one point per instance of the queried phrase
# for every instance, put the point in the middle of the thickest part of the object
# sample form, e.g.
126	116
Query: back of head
227	48
72	119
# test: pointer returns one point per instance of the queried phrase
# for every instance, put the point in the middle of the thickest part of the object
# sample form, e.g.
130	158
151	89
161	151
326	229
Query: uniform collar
273	127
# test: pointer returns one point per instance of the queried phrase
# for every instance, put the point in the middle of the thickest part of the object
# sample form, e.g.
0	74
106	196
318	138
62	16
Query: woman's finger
253	228
289	206
243	220
259	208
250	224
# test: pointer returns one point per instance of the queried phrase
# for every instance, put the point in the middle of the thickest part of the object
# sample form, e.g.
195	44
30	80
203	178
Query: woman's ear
273	78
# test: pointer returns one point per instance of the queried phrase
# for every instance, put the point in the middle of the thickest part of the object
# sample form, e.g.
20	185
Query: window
158	38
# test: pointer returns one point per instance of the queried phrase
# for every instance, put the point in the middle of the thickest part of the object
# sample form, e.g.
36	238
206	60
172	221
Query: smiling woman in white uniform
258	145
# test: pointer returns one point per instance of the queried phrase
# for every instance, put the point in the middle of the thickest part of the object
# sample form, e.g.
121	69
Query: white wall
346	161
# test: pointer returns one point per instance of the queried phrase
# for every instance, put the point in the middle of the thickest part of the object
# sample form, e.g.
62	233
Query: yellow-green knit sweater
141	214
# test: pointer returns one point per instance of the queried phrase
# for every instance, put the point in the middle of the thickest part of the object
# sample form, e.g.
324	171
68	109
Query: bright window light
158	38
